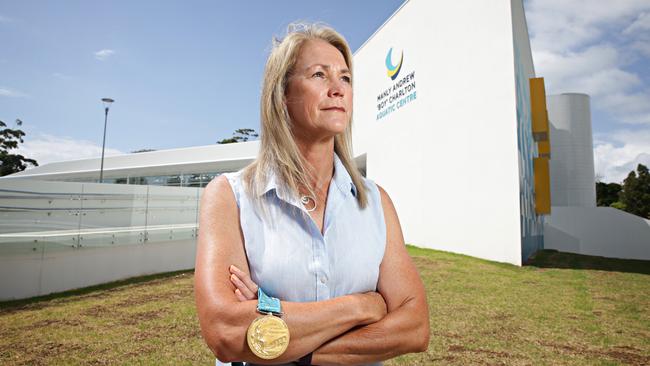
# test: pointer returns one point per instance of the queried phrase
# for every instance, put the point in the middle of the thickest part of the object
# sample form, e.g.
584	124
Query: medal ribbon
267	304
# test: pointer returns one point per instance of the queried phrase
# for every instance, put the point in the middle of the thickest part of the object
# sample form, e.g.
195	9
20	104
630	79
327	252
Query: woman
305	226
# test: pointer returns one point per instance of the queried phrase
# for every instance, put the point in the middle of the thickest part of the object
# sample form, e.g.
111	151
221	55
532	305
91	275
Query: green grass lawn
560	309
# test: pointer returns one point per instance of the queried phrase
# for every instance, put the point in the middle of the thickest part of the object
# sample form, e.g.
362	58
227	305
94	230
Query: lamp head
107	102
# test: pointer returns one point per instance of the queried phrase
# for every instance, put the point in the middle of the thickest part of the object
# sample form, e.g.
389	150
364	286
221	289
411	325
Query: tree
607	193
635	194
240	135
9	140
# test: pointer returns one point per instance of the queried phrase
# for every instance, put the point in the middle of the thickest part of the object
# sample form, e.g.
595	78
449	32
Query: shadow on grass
548	258
16	304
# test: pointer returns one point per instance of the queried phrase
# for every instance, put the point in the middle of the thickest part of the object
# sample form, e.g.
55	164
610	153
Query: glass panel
34	206
112	214
171	213
59	241
19	244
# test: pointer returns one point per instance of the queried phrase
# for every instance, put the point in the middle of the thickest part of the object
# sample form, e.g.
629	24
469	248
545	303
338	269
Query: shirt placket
321	260
321	268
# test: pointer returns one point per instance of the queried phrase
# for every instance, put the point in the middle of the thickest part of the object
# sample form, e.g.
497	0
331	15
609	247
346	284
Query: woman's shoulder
225	185
372	188
233	178
375	192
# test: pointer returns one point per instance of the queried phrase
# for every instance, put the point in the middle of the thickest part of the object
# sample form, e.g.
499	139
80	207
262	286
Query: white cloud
572	54
631	107
11	93
618	153
643	47
642	23
594	71
558	25
49	149
102	55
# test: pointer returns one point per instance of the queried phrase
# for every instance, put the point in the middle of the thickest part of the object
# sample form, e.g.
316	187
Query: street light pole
107	103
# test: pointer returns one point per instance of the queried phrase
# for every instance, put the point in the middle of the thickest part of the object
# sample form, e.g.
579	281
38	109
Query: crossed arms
351	329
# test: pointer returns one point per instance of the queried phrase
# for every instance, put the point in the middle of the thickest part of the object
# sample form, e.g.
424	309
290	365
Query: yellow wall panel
539	115
542	186
544	149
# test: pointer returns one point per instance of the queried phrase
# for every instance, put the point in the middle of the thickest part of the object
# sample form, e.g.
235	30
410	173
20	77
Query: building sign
398	94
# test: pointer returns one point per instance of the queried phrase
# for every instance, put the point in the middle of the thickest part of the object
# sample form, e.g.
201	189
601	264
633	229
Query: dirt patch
627	357
138	301
181	294
423	263
628	348
51	349
624	354
97	311
142	317
144	336
458	349
53	322
502	317
447	335
20	308
39	353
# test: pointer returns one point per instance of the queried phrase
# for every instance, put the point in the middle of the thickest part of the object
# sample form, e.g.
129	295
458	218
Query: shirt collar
341	179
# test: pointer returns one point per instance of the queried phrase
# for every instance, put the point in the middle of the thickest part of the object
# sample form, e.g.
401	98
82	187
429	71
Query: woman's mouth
339	109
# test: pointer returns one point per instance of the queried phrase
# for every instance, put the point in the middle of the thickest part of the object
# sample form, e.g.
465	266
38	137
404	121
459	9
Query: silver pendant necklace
304	199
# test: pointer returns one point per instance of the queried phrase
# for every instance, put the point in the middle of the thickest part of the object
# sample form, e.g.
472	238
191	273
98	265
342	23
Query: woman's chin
336	127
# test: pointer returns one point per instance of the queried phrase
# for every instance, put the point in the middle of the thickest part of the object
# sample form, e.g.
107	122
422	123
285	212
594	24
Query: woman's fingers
245	278
240	297
245	291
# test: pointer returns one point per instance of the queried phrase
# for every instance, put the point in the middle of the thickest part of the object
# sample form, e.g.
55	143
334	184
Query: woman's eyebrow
343	71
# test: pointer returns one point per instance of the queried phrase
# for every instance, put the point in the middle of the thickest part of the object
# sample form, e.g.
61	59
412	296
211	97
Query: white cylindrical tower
573	180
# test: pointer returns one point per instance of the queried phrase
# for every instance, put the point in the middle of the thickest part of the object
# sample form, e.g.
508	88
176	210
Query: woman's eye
319	74
347	79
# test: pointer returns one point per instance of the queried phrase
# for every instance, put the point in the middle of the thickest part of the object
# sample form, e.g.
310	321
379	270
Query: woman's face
319	93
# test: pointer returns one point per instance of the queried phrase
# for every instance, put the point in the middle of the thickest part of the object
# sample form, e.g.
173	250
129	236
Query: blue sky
186	75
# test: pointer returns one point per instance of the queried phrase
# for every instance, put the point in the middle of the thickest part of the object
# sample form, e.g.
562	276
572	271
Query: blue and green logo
393	71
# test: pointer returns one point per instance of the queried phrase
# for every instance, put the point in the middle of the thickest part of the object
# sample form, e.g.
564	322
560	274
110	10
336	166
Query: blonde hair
278	151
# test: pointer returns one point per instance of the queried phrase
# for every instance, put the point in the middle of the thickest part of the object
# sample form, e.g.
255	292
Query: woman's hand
374	305
245	288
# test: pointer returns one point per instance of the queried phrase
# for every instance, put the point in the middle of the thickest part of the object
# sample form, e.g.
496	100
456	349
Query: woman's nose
336	88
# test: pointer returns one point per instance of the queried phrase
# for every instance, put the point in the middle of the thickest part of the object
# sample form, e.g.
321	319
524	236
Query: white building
576	225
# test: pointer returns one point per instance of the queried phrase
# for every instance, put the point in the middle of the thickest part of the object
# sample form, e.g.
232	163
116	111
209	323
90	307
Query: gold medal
268	337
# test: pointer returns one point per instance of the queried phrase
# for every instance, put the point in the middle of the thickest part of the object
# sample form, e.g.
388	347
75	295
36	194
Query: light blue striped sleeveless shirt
290	258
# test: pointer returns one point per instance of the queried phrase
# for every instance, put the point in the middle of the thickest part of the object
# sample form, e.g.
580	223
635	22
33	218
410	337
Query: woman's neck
320	157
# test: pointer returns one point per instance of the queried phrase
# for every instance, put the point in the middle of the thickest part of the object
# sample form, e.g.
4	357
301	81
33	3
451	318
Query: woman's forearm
401	331
310	325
